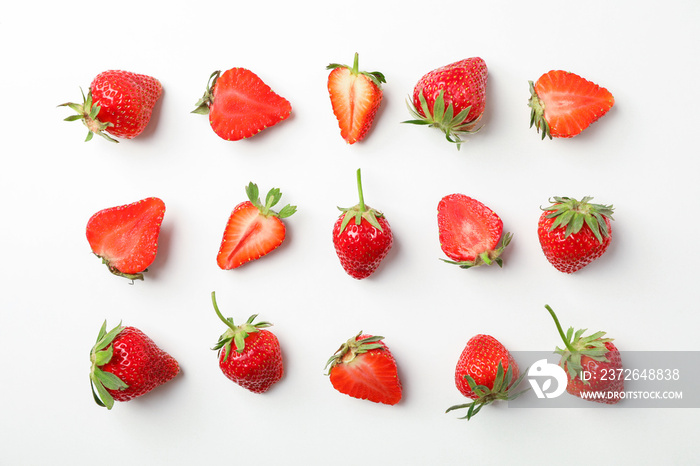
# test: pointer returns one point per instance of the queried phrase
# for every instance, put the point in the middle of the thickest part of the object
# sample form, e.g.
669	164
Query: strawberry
362	237
451	98
592	365
355	97
364	368
126	237
125	363
253	229
485	372
240	104
563	104
256	360
574	233
470	232
119	103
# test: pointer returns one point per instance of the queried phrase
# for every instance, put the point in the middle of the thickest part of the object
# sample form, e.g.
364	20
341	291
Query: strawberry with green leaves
485	372
470	233
592	364
126	363
355	97
126	237
364	368
362	237
451	98
249	355
253	229
119	103
240	104
574	233
563	104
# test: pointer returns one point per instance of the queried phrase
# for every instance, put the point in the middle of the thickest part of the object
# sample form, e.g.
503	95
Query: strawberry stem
359	190
561	331
228	322
355	64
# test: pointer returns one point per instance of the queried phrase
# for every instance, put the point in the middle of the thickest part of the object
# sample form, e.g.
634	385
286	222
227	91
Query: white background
641	157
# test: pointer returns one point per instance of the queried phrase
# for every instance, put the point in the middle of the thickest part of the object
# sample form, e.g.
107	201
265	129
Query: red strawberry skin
467	227
463	83
126	237
567	103
260	364
243	105
126	101
355	98
139	363
361	248
599	377
572	253
371	375
479	360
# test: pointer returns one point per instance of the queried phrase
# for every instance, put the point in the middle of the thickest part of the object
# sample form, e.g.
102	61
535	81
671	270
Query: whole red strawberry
249	355
253	229
563	104
362	237
364	368
119	103
451	98
470	232
126	237
485	372
355	98
574	233
240	104
592	363
125	364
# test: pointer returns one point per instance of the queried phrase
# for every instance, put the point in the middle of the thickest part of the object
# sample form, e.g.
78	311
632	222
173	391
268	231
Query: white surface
641	157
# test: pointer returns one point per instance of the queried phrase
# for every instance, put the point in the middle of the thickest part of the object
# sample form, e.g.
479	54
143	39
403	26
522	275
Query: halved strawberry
355	97
253	229
364	368
126	237
470	232
564	104
240	104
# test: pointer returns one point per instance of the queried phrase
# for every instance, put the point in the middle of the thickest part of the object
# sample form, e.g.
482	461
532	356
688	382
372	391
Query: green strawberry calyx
271	200
503	389
101	354
489	257
87	112
375	76
537	117
576	346
203	104
352	348
235	334
443	117
573	214
360	211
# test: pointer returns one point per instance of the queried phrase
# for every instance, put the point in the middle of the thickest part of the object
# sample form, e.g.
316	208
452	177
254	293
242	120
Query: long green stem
218	313
359	190
561	331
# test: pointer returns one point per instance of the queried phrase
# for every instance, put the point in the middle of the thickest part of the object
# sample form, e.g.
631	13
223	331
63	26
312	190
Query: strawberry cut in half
364	368
563	104
485	372
253	229
119	103
451	98
126	237
574	233
589	362
240	104
470	232
125	364
249	355
355	97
